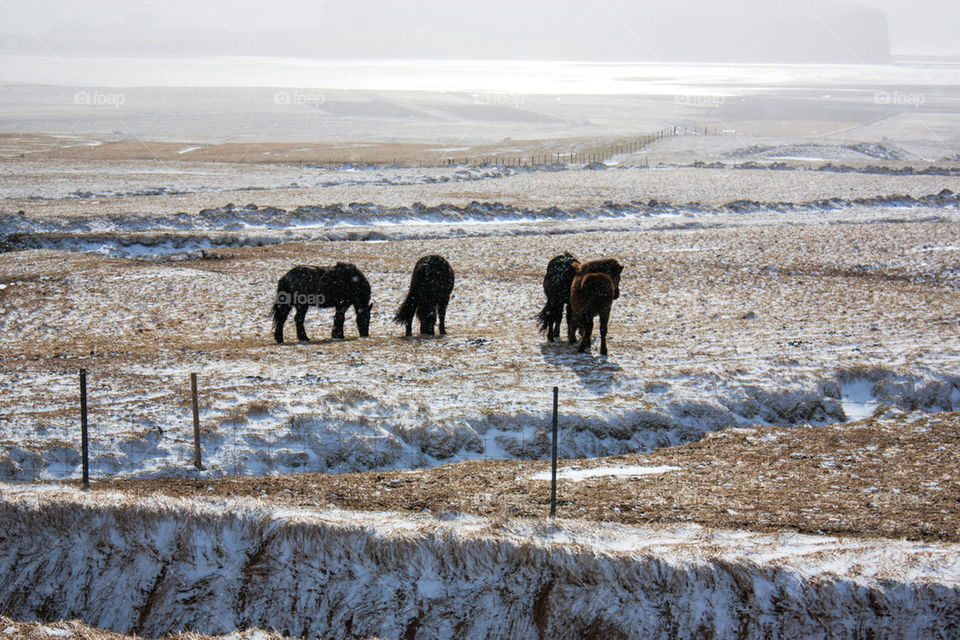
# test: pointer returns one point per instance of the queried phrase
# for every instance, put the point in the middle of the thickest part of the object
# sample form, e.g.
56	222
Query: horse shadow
319	342
597	373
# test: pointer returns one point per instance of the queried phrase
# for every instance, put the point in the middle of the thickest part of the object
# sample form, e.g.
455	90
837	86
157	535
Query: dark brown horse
594	288
430	289
556	285
339	286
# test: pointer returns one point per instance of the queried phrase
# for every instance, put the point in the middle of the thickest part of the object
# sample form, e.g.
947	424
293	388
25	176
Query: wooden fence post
197	462
553	467
84	440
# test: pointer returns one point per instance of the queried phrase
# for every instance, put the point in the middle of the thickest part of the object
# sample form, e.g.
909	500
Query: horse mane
608	266
593	284
362	289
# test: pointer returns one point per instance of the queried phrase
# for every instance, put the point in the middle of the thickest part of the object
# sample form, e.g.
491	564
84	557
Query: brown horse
594	288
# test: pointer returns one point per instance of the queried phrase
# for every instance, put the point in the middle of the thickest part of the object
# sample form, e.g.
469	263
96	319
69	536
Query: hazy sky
931	24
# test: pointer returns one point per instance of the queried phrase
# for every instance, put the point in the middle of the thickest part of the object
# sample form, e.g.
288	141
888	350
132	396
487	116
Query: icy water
522	77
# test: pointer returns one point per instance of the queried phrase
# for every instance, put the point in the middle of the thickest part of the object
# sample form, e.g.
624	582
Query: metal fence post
197	461
553	468
84	440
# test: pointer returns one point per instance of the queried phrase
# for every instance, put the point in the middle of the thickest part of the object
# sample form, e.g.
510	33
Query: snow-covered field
753	294
765	309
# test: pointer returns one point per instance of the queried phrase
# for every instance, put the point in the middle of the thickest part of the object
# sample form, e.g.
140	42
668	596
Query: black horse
556	284
340	286
430	289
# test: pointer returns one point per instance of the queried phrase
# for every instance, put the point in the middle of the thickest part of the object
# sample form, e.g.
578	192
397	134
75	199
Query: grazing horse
556	285
430	289
595	287
339	286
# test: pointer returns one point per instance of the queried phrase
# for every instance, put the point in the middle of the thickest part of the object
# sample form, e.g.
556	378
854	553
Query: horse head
616	270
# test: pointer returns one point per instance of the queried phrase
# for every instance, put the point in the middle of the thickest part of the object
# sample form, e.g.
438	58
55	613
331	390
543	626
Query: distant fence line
589	156
593	154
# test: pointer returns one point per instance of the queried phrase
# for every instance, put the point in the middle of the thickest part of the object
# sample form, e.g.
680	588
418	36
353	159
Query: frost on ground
155	566
739	319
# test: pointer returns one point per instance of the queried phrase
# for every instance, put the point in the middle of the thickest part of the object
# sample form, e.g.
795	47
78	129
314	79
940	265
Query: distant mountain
679	30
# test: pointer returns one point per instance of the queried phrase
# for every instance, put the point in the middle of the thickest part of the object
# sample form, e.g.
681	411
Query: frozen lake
518	76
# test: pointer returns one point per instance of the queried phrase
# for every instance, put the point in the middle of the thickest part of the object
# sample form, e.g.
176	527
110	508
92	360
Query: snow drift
353	431
189	235
158	566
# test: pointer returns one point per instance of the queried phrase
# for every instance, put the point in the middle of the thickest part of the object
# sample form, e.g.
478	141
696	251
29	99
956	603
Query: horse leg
586	329
604	318
553	330
571	327
339	317
442	313
280	313
298	319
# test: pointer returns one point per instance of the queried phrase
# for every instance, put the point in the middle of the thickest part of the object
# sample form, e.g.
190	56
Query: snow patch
577	475
858	399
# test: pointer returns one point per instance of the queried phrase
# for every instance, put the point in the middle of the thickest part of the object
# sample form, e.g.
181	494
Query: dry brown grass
379	153
880	477
76	630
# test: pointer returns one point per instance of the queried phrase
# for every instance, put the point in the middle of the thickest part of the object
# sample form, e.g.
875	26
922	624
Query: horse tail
408	309
281	308
545	317
278	315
